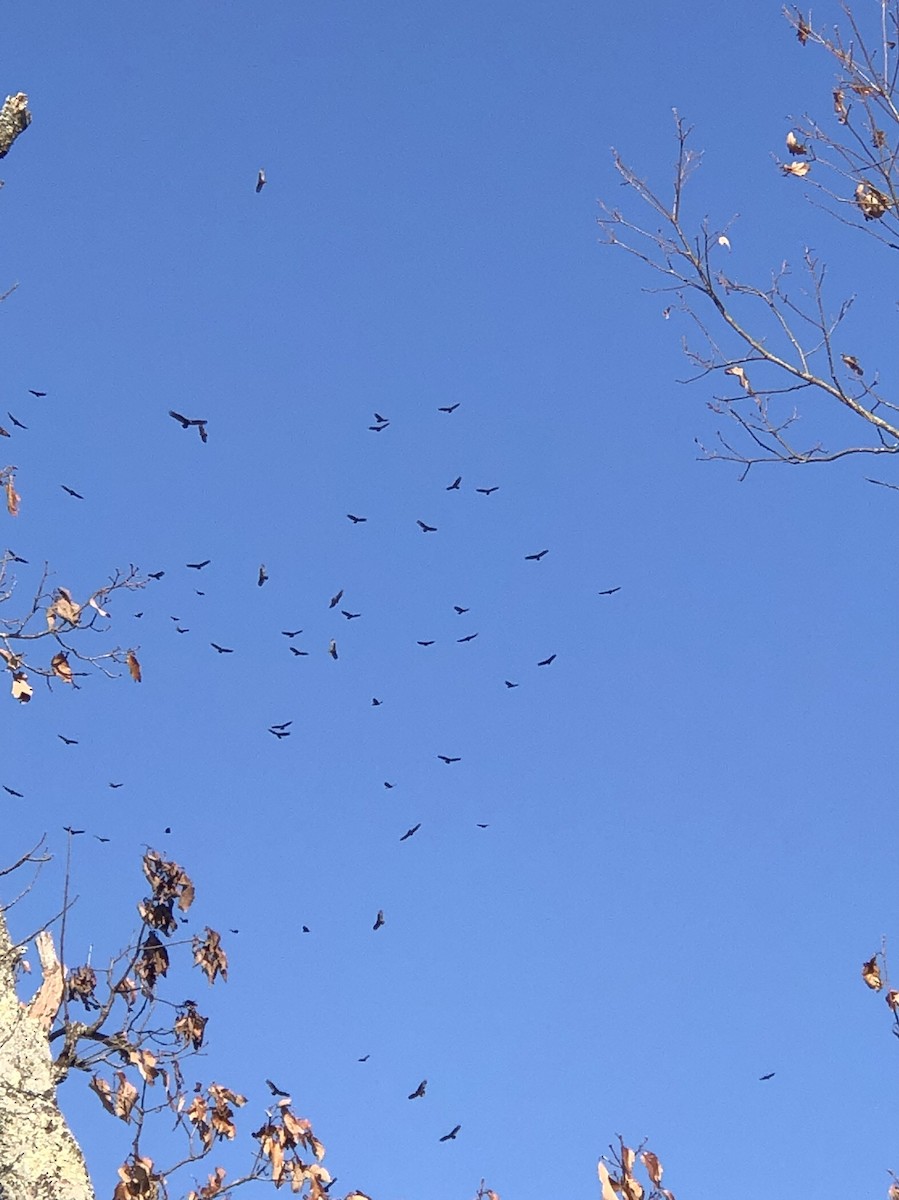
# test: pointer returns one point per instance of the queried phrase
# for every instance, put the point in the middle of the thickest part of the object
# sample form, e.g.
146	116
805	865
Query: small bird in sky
275	1090
488	491
291	633
13	792
378	428
454	486
409	832
375	702
770	1075
332	649
178	629
450	407
445	758
220	649
426	528
350	616
282	725
156	575
73	832
430	643
101	839
335	600
379	919
280	733
389	785
480	826
298	653
260	181
116	785
381	420
460	610
68	741
198	566
509	683
18	424
364	1058
419	1091
356	520
262	576
535	557
38	394
306	929
470	637
187	422
546	661
609	591
451	1136
71	492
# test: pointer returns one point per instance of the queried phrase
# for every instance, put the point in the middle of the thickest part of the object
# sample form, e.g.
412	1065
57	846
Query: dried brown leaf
605	1180
839	105
873	203
852	363
60	665
21	688
13	498
133	666
892	999
653	1167
138	1181
794	145
209	955
740	375
796	168
871	974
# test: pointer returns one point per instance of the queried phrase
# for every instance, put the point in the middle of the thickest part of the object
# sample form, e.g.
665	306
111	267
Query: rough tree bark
14	119
39	1157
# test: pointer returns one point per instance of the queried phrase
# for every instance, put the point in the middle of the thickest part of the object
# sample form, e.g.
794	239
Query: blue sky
691	812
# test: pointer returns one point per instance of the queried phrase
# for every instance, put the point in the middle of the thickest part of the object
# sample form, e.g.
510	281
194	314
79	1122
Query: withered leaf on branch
138	1181
119	1102
740	375
153	961
61	668
21	688
168	880
12	496
145	1061
212	1188
803	29
653	1167
209	955
190	1027
839	105
892	999
81	985
605	1180
873	203
796	168
871	974
852	363
794	145
133	666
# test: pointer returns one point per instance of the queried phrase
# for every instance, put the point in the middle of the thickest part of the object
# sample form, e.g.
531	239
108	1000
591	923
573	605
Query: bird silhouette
509	683
298	653
198	566
350	616
16	558
274	1089
451	1136
260	181
68	741
409	832
430	643
470	637
332	649
609	591
381	420
38	394
379	919
364	1058
535	557
450	407
546	661
280	733
156	575
770	1075
186	422
101	839
459	610
220	649
419	1091
262	576
335	600
480	826
426	528
291	633
356	520
282	725
389	785
488	491
378	428
445	758
73	832
116	785
454	486
71	492
13	792
18	424
178	629
375	702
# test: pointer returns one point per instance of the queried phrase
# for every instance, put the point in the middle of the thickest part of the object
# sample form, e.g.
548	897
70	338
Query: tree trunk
14	119
39	1157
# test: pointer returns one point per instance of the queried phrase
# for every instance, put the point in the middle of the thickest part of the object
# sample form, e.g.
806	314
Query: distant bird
335	600
4	432
430	643
535	557
407	834
446	759
546	661
454	486
139	615
419	1091
389	785
197	592
198	566
460	611
73	832
451	1136
488	491
470	637
280	733
13	792
509	683
260	181
378	428
220	649
68	741
282	725
379	919
156	575
609	591
306	929
480	826
101	839
450	407
356	520
262	576
770	1075
375	702
364	1058
350	616
332	649
275	1090
291	633
71	492
381	420
426	528
187	422
298	653
18	424
116	785
201	429
38	394
15	558
178	629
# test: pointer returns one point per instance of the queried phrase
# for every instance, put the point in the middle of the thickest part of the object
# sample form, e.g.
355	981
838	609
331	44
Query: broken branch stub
15	118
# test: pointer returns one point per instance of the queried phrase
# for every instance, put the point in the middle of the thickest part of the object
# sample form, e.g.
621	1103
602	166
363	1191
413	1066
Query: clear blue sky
691	812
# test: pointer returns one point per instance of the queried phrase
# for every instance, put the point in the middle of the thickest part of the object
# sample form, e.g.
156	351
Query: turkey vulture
487	491
18	424
356	520
68	741
445	758
470	637
198	566
535	557
451	1136
379	919
71	492
220	649
426	528
407	834
450	407
260	181
609	591
454	486
419	1091
546	661
38	394
335	600
263	575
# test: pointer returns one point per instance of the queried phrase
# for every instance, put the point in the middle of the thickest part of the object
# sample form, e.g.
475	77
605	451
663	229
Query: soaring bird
13	557
198	566
470	637
220	649
350	616
609	591
430	643
381	420
454	486
419	1091
406	835
450	407
389	785
488	491
379	919
770	1075
378	428
71	492
460	610
332	649
451	1136
291	633
38	394
546	661
298	653
275	1090
13	792
18	424
375	702
445	758
156	575
68	741
335	600
356	520
509	683
426	528
535	557
186	422
260	181
364	1058
262	576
